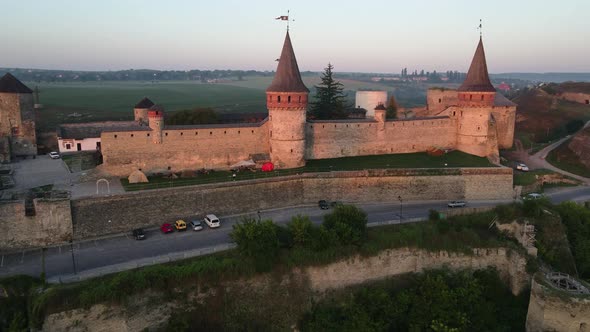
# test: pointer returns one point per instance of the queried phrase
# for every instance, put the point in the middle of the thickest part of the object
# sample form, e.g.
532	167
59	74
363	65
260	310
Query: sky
360	36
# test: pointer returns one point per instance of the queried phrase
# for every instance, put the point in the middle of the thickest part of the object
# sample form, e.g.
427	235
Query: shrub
348	223
433	215
257	240
301	230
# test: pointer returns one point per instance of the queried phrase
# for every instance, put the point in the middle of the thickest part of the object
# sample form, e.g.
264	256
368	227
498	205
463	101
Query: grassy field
564	158
100	101
409	160
115	100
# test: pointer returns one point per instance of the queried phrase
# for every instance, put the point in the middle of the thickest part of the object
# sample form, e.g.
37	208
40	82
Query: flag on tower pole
282	18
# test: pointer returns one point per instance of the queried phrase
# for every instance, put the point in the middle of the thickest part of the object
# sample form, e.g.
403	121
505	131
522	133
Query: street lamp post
401	209
259	215
73	259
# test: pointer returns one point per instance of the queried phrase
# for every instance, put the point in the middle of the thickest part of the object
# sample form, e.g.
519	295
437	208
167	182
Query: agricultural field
93	101
114	100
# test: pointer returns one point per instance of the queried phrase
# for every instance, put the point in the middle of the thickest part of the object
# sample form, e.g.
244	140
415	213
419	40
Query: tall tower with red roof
286	99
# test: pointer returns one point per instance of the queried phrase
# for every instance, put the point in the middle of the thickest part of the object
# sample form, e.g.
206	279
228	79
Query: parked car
54	155
196	225
166	228
532	196
323	205
180	225
522	167
139	234
455	204
212	221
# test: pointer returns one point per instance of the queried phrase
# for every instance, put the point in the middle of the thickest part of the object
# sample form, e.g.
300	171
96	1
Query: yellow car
180	225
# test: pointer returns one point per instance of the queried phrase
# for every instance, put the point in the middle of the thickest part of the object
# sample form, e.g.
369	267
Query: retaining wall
115	214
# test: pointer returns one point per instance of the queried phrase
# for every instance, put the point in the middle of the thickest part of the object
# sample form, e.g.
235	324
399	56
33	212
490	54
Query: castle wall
334	139
123	213
472	129
505	117
186	148
438	99
17	121
51	224
578	97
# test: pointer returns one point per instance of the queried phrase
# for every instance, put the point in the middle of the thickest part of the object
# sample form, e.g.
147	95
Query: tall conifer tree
330	100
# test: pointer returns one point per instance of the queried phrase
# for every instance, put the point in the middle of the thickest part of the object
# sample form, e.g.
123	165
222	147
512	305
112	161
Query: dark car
139	234
323	205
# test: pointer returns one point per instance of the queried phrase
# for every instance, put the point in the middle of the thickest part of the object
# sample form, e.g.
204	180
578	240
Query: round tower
140	111
286	99
477	90
156	122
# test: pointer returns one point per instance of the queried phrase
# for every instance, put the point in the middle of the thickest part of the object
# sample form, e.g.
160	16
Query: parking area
41	171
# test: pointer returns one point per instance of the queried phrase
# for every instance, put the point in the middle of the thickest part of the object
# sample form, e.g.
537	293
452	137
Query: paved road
93	254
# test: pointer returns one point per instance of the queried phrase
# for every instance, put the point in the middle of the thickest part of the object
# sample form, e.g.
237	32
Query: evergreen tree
391	112
330	100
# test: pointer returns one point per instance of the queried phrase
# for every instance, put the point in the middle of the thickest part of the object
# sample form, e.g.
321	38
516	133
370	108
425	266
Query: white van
212	221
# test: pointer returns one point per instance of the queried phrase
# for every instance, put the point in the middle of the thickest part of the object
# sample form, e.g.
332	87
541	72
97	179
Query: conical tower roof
477	79
287	77
144	103
11	84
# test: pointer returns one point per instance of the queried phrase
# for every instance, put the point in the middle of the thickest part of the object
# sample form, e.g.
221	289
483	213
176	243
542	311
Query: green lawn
79	161
411	160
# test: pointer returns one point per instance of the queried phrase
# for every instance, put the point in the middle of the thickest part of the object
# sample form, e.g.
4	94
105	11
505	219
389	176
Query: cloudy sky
361	36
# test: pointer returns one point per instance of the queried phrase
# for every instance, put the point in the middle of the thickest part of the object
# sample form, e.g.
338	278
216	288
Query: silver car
196	225
454	204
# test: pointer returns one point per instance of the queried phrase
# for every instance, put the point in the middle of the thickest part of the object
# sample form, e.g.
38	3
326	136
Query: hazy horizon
372	37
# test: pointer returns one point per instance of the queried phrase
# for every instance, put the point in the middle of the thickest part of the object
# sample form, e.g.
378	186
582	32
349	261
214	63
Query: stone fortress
473	119
17	120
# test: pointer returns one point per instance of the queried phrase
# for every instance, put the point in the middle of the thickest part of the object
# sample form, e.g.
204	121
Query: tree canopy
330	100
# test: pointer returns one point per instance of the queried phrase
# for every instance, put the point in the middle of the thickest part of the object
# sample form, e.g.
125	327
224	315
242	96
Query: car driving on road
532	196
522	167
323	205
54	155
456	204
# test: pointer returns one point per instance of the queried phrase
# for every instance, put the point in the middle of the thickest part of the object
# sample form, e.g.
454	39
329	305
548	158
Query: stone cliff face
580	145
550	310
298	286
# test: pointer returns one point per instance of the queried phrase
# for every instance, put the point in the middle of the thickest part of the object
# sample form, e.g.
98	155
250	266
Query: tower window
289	99
166	134
148	134
238	131
300	100
181	133
270	98
279	99
454	113
439	100
196	133
115	136
225	132
470	97
481	97
131	135
291	150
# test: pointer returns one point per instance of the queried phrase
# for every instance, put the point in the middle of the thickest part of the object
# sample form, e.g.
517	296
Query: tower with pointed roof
477	90
286	100
17	119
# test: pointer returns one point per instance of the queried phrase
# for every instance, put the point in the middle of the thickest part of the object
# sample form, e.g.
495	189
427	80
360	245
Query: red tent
268	167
